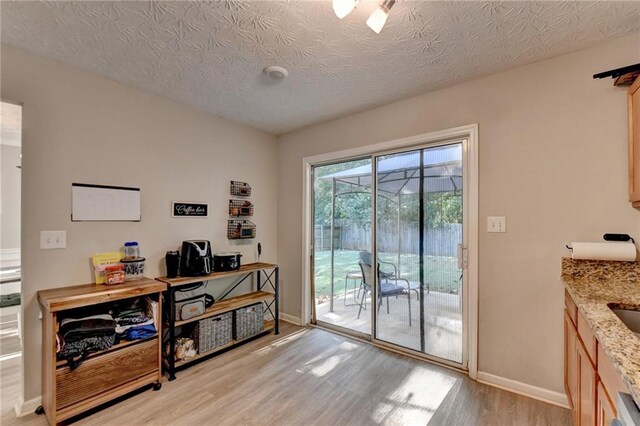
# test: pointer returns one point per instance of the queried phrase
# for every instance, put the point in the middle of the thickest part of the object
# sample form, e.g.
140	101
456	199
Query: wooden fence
438	241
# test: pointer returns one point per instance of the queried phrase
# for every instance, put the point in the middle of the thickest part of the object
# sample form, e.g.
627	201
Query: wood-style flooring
9	341
308	376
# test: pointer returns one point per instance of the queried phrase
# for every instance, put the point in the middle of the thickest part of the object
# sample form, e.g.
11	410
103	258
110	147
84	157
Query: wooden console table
269	271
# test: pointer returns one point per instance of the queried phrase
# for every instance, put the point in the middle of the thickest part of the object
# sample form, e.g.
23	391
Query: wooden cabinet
570	361
634	143
590	378
587	382
606	411
104	375
580	376
609	377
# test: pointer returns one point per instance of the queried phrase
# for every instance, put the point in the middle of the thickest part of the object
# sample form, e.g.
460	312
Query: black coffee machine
195	259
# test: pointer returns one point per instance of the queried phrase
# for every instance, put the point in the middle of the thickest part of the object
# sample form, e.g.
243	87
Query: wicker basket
249	321
240	189
210	333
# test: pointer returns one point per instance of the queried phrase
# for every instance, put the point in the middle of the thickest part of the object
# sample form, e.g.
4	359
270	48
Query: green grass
441	273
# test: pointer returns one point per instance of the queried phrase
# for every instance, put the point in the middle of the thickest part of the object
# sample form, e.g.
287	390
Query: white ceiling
210	54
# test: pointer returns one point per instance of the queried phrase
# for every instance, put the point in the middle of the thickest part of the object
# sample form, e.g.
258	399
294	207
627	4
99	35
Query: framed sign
188	209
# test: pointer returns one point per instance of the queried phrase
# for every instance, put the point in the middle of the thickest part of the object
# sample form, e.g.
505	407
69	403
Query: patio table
355	276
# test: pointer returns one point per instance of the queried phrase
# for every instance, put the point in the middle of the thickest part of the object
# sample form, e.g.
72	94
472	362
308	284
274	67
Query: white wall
10	192
553	159
79	127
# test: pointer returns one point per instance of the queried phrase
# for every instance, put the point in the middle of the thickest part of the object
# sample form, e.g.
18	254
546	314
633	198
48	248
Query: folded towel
141	332
120	329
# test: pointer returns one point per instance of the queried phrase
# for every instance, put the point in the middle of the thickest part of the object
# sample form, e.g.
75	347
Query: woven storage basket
210	333
249	321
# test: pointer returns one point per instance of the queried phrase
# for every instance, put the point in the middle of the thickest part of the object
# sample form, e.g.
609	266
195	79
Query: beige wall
552	153
78	127
10	192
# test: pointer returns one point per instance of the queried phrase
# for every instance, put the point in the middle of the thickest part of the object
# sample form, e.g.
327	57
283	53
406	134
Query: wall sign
184	209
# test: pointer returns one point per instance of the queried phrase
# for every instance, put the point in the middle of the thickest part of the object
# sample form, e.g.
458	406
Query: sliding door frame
470	165
313	317
464	142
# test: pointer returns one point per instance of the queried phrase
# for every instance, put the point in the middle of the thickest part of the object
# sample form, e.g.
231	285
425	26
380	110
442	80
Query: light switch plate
496	224
53	240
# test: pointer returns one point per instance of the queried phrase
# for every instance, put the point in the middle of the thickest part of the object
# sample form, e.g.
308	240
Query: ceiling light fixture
378	18
344	7
275	73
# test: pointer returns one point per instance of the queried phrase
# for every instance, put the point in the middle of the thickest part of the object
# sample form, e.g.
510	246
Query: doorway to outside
341	230
390	245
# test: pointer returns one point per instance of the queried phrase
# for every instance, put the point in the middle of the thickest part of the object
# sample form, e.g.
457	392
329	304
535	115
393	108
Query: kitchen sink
630	318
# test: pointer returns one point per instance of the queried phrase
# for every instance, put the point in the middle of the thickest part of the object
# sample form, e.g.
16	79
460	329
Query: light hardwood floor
309	376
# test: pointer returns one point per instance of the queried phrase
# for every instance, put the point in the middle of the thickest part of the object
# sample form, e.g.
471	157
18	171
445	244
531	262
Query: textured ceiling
210	54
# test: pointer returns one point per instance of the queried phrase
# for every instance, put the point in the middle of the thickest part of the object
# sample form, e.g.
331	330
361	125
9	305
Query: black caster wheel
157	386
40	410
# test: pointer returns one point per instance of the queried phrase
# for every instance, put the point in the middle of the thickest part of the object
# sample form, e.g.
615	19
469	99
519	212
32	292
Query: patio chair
365	257
386	288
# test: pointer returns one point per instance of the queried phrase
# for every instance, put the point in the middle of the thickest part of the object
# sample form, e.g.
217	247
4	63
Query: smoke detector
275	73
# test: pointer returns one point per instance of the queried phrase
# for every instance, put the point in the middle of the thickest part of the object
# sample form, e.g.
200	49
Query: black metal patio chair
385	288
365	257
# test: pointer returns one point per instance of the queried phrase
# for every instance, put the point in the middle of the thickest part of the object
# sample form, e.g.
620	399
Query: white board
104	203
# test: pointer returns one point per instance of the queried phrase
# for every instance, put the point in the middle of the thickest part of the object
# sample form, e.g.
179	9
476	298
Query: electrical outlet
53	240
496	224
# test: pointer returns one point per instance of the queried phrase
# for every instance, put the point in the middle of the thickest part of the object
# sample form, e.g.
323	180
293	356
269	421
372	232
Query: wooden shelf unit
243	270
104	375
269	325
222	305
119	345
230	304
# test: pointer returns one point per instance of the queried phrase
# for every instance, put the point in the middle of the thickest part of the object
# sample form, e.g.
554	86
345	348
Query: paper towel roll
622	251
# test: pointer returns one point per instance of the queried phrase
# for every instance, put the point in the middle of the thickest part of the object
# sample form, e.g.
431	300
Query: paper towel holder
618	237
612	237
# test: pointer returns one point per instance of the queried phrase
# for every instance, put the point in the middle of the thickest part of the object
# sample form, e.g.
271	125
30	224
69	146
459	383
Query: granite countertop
595	284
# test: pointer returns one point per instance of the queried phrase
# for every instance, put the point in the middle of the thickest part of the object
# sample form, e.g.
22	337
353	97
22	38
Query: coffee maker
195	259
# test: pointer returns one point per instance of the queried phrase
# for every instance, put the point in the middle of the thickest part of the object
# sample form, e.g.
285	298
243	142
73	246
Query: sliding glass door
418	242
400	282
341	236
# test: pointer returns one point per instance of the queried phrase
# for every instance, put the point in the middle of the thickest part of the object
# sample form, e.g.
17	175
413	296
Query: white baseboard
24	408
290	318
541	394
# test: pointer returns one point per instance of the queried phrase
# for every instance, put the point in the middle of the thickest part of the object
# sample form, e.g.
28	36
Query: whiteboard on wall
100	203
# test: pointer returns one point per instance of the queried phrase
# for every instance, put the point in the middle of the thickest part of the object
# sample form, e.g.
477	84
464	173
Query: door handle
462	256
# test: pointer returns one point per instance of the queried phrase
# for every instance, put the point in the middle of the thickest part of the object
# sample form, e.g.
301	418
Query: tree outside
353	211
